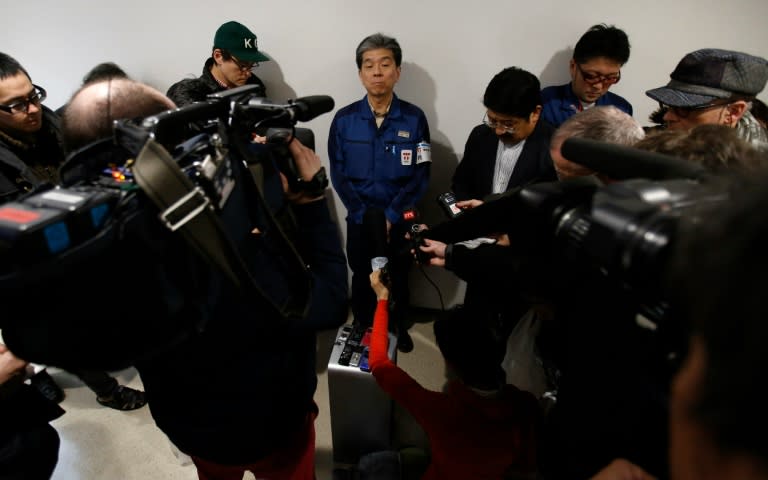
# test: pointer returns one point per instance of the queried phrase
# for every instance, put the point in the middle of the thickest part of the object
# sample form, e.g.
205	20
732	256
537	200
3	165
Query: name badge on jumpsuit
406	156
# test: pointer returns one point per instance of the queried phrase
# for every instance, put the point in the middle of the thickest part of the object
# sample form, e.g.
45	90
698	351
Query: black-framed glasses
244	66
685	112
22	106
594	78
507	126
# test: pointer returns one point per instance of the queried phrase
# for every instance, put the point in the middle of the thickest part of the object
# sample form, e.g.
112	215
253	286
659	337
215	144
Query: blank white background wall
451	51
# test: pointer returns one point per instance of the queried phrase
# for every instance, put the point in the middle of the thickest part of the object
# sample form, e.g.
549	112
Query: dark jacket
240	390
192	90
24	166
613	386
22	407
474	174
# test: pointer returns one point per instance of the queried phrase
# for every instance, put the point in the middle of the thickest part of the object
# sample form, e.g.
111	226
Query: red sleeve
377	355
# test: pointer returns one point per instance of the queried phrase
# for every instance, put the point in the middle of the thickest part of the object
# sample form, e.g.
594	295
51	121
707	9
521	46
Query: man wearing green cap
234	56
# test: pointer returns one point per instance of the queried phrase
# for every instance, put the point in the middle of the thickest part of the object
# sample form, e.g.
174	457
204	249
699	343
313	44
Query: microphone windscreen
312	106
621	162
375	231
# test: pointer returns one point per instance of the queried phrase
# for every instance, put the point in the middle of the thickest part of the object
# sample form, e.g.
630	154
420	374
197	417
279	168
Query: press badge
423	152
406	157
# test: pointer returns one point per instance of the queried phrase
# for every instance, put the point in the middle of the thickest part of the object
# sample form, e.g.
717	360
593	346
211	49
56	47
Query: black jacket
241	389
192	90
614	380
24	166
474	174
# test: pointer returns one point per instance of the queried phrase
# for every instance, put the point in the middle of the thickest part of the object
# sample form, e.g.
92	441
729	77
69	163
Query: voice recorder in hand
448	201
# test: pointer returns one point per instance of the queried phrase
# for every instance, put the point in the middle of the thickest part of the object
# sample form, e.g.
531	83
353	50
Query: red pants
294	463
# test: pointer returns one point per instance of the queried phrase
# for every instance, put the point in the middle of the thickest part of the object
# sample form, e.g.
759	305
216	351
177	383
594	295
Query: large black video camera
149	234
625	231
622	233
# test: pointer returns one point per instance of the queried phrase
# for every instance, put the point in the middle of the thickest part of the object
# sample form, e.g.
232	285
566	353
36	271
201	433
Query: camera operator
609	404
238	395
30	155
717	408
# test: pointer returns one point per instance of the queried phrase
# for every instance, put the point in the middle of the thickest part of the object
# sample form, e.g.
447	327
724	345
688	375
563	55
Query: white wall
451	51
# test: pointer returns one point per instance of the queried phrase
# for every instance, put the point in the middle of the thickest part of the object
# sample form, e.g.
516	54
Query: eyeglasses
685	112
22	106
594	78
244	66
507	126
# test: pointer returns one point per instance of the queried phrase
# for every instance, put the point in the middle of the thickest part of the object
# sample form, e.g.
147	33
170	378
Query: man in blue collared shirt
379	155
596	65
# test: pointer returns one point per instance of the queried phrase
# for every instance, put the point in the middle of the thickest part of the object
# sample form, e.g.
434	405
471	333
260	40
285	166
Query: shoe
404	342
124	398
46	385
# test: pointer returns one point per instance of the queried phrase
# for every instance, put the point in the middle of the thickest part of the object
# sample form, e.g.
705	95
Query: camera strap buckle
185	209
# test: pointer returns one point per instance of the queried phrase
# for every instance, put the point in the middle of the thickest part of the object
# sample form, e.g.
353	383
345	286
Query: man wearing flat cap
713	86
234	56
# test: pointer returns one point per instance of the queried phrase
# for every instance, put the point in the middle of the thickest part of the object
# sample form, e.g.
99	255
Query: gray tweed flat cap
709	74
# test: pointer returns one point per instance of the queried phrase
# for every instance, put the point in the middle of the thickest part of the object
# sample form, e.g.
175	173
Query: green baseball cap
238	40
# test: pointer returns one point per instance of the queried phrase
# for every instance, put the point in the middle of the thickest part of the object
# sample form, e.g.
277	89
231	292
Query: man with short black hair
717	87
30	149
508	150
596	65
511	147
234	57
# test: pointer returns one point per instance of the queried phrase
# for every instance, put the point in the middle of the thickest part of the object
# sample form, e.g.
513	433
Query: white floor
102	443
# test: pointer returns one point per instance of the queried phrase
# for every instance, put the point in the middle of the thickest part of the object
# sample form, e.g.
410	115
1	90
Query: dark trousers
359	254
102	384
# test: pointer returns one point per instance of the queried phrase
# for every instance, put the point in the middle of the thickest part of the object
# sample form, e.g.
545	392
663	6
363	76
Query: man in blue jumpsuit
380	159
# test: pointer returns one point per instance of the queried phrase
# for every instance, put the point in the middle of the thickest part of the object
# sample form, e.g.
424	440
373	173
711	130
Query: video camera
138	266
622	232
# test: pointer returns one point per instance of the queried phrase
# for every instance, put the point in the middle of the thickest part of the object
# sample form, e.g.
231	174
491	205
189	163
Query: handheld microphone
622	162
375	233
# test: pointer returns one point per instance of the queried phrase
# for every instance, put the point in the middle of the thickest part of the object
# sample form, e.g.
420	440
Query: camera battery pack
51	222
87	211
28	232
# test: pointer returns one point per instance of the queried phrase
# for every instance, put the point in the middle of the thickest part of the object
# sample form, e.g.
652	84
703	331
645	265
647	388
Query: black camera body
624	230
101	240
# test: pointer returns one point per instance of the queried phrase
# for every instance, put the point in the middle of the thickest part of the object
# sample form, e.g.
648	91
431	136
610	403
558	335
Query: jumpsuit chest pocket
399	159
388	160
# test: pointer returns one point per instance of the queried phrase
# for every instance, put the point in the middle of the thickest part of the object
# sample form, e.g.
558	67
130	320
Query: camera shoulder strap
185	208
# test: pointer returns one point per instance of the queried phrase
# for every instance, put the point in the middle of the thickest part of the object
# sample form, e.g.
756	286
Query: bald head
92	110
604	124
